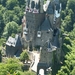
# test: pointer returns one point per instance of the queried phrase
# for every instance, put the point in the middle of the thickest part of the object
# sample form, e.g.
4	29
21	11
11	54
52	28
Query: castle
41	29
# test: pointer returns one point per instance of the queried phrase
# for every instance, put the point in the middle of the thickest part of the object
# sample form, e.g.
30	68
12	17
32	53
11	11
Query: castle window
39	34
25	31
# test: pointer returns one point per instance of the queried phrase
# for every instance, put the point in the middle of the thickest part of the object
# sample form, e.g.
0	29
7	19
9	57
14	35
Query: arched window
39	34
25	31
41	72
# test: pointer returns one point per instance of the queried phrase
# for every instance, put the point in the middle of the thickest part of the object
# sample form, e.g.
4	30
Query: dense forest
68	38
11	13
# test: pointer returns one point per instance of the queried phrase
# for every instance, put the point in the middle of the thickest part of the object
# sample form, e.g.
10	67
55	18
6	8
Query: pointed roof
46	25
50	9
14	41
18	40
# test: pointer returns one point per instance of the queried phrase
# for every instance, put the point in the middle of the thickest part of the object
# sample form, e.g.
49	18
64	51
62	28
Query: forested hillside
11	13
68	37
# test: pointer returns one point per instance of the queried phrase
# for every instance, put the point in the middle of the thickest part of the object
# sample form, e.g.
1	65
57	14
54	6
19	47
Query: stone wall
45	36
45	56
33	20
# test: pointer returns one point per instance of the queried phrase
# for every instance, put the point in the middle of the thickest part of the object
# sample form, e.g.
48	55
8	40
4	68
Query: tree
10	28
3	2
0	56
22	2
10	66
71	5
2	10
73	71
24	56
9	16
13	65
10	4
67	24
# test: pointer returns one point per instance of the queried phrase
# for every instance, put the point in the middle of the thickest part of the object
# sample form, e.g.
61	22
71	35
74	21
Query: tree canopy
68	27
11	10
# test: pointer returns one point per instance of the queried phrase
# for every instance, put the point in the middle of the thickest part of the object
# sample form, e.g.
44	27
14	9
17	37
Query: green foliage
3	2
68	27
10	28
67	41
11	10
72	33
2	40
2	10
19	30
11	3
29	73
0	56
71	5
67	24
73	71
26	73
24	56
10	67
8	17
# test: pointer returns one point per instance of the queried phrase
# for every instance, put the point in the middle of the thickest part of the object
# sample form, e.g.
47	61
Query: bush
24	56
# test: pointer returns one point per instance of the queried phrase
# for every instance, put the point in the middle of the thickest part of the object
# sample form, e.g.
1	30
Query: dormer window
25	31
39	34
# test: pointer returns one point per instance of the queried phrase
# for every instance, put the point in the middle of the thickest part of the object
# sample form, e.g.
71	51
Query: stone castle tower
41	28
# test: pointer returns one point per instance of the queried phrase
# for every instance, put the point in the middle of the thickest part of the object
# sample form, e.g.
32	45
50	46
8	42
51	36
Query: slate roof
56	1
11	42
14	41
46	25
50	9
43	64
18	40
